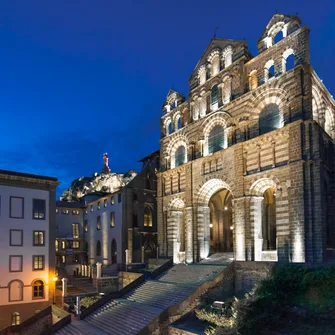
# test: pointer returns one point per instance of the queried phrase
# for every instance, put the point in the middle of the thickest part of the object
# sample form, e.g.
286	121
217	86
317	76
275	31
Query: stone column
256	238
207	237
99	270
203	232
239	228
189	235
64	287
171	233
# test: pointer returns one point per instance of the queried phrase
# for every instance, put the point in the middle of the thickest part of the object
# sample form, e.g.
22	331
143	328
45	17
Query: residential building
27	237
71	245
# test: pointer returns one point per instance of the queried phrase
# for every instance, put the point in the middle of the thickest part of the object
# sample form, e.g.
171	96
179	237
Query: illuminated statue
105	168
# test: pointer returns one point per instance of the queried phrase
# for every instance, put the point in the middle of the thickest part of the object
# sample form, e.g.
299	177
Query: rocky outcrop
103	182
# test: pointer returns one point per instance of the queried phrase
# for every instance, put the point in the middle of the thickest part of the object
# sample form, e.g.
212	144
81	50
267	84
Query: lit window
75	212
38	263
112	200
63	259
105	203
38	289
86	226
56	245
75	244
38	238
112	219
98	205
65	211
98	223
63	245
147	217
15	319
75	230
91	208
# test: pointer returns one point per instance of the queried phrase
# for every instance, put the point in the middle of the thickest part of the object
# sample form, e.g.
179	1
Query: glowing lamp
55	278
211	225
231	227
225	208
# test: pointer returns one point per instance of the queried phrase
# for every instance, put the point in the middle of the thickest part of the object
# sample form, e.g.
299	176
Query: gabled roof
276	19
215	43
171	94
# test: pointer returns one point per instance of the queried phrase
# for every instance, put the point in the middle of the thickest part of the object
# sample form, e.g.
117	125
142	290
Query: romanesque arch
217	119
214	217
267	96
177	142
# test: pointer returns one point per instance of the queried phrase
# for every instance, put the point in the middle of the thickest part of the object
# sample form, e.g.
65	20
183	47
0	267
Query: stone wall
249	274
125	278
107	284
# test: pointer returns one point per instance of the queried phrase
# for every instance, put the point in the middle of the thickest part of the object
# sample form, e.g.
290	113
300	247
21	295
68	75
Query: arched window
147	217
269	230
278	37
269	119
269	70
214	97
98	251
253	80
288	60
216	139
15	319
114	251
180	156
169	128
38	289
179	125
16	290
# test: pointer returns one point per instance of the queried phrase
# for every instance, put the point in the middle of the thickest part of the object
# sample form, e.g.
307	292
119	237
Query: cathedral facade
247	161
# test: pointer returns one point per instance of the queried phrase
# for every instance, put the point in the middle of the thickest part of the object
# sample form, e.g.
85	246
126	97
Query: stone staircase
139	307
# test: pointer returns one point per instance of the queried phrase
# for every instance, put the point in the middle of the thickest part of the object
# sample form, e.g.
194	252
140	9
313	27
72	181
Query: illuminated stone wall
293	159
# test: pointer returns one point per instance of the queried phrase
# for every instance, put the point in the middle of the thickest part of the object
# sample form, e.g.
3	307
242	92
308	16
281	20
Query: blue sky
79	77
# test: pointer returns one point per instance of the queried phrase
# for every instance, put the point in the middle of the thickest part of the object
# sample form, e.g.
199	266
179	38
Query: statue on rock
106	169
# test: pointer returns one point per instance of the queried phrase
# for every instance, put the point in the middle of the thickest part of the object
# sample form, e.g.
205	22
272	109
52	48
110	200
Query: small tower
105	168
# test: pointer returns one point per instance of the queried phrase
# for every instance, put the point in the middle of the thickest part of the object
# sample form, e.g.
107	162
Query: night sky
79	77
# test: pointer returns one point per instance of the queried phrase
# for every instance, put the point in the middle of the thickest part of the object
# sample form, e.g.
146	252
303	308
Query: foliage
88	301
304	292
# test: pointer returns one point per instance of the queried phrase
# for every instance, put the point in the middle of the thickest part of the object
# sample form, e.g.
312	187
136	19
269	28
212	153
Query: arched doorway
214	218
114	251
221	225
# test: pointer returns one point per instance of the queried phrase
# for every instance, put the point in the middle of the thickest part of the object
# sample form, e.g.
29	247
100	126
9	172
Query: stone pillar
256	238
64	287
82	270
99	270
189	235
203	231
239	228
207	237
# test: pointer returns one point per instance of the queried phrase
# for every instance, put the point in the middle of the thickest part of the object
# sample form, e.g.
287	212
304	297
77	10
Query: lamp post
55	281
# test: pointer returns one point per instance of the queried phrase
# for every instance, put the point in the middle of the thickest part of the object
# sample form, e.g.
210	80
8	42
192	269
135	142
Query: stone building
27	239
124	220
71	245
247	161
